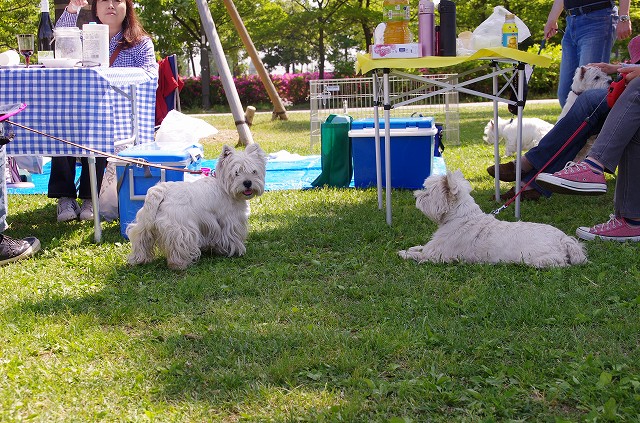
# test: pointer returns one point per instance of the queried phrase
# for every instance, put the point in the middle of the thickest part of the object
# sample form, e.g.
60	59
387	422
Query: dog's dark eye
255	172
236	173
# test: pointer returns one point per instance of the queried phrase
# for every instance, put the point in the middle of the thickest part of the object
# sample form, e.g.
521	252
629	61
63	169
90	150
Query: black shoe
528	195
507	171
16	249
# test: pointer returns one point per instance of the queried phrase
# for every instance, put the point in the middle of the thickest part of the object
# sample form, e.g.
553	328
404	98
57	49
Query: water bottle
510	31
447	10
396	17
45	33
426	33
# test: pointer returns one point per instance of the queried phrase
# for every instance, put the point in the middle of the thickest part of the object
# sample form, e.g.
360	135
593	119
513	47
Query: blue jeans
3	191
587	39
591	104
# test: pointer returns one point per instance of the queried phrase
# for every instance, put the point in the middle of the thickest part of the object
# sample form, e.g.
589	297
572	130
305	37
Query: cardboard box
135	181
412	150
395	51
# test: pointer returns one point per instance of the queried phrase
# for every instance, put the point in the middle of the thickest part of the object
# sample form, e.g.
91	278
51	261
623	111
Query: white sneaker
67	209
86	210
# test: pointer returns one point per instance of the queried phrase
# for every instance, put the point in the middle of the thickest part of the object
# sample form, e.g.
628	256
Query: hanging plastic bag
489	32
178	128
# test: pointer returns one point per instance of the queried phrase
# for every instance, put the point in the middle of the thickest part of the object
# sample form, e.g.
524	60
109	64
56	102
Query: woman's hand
607	68
630	72
74	6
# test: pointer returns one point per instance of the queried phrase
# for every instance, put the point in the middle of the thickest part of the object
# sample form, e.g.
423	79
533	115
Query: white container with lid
95	43
68	43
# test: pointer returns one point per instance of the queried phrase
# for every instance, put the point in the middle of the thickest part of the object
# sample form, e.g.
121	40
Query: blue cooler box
412	147
134	180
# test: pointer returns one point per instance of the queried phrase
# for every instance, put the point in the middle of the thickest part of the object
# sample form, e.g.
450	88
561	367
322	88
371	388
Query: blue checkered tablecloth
78	105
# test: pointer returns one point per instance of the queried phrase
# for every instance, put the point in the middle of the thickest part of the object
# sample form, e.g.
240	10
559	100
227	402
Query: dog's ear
583	71
226	151
456	183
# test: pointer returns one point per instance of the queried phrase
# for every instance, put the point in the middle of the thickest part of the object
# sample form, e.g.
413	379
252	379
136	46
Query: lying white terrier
585	78
533	129
466	234
210	214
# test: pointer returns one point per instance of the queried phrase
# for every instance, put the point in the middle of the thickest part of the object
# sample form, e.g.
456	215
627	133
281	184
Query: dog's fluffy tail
575	251
140	231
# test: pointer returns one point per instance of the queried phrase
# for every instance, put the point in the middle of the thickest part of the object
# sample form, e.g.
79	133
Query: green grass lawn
321	320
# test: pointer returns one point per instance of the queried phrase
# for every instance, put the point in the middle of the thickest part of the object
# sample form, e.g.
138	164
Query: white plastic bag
179	128
489	32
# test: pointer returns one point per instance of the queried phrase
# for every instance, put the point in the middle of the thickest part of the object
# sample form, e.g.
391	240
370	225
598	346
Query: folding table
95	107
507	63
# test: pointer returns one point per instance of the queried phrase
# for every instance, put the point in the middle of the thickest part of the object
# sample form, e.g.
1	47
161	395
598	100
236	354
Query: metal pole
225	73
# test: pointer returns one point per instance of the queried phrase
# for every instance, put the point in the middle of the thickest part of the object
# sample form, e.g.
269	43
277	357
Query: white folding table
505	66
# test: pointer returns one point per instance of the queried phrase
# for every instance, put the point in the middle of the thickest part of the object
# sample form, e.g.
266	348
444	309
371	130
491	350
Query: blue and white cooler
134	181
412	150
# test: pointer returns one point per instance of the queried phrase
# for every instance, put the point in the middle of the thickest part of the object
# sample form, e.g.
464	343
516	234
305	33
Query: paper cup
9	58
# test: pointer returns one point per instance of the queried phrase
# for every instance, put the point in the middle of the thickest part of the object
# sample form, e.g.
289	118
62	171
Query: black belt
583	10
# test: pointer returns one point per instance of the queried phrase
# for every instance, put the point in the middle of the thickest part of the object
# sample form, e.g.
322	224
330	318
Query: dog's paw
403	254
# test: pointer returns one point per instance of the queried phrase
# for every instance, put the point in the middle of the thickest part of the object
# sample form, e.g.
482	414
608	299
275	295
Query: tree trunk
205	74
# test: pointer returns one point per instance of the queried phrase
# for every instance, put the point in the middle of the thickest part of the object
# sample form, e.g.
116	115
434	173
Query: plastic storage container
412	149
136	180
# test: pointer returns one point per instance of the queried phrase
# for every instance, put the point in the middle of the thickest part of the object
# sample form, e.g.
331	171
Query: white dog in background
182	219
533	129
466	234
585	78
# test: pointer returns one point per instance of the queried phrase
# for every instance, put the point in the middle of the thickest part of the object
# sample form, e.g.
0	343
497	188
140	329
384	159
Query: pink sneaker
575	178
616	229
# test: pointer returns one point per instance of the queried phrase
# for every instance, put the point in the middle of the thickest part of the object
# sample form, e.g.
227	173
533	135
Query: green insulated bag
335	149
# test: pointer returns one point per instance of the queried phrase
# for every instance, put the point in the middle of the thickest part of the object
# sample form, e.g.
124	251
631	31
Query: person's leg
627	195
62	181
617	133
591	104
595	35
62	185
569	62
3	191
11	249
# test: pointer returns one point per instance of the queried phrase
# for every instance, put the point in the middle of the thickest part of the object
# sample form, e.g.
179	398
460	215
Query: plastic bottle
426	30
510	31
447	10
45	33
396	17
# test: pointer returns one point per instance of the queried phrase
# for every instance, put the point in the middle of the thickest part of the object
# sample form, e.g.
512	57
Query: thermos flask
447	10
426	34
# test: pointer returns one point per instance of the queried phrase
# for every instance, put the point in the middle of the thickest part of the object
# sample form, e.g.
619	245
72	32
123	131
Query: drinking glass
25	46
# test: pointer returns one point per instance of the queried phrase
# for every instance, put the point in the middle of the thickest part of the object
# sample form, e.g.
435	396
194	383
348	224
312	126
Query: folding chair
169	86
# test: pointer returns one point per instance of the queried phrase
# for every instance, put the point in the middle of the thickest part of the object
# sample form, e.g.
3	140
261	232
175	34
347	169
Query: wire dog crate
354	97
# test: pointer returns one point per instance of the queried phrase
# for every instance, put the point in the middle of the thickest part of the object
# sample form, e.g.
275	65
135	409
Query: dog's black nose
247	184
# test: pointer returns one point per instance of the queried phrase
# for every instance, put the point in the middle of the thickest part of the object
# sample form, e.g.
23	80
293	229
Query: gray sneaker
86	210
67	209
12	249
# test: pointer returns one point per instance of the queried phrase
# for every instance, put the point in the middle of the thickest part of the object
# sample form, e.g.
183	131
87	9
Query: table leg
376	127
387	143
496	144
97	229
521	77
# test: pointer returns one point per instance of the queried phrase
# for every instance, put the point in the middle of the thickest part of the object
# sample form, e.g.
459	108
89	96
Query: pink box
395	51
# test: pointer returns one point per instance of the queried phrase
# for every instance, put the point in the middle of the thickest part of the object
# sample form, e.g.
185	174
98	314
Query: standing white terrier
210	214
466	234
533	129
